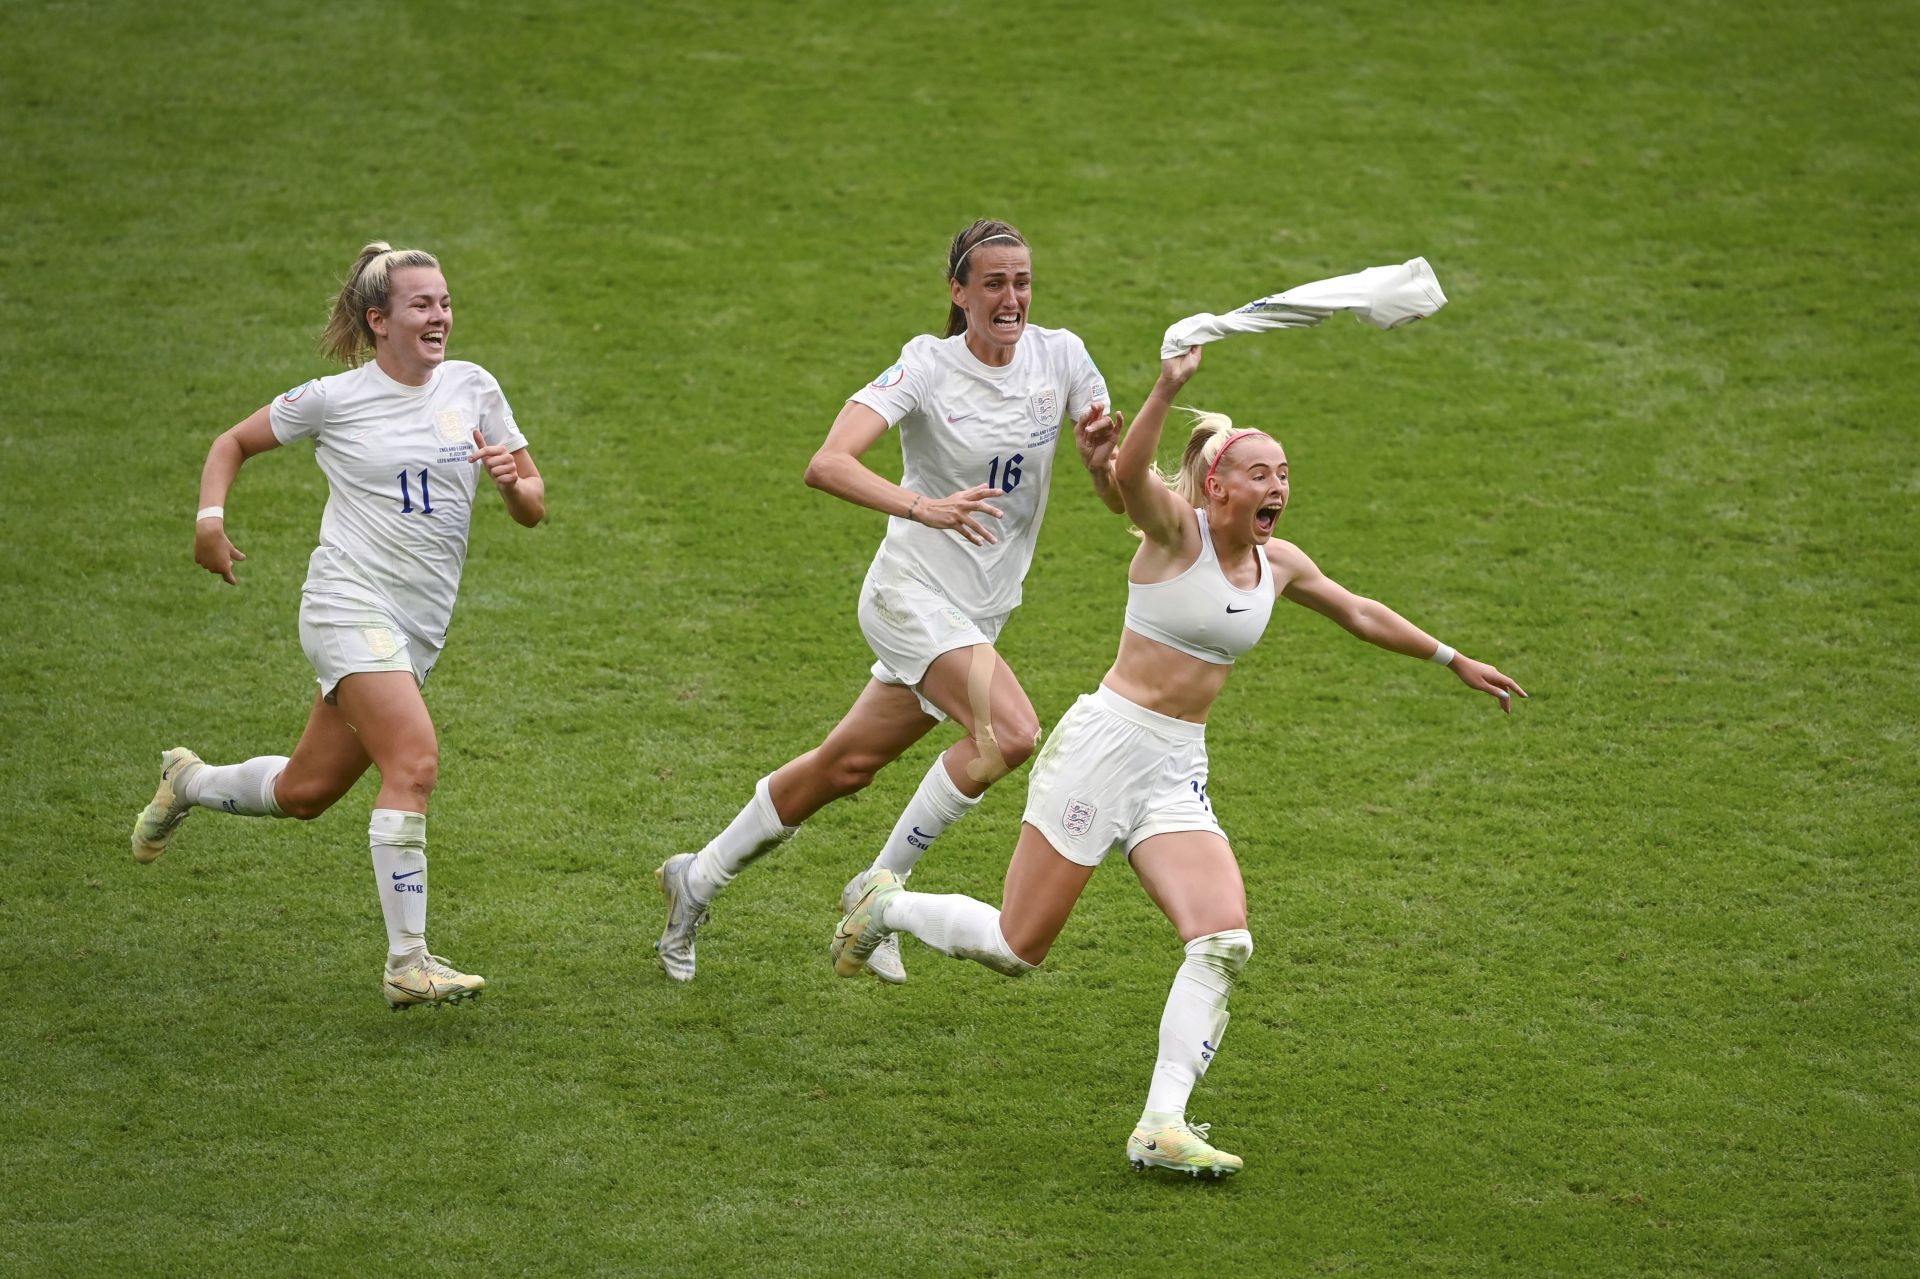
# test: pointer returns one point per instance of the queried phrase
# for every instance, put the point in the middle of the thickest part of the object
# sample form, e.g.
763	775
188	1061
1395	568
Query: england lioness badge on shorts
449	426
1046	407
381	642
1079	817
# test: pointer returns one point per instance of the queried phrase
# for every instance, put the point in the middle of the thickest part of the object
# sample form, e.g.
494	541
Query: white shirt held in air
400	484
964	423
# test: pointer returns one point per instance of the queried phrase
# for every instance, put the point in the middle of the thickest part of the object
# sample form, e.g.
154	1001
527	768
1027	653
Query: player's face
995	297
1252	487
413	330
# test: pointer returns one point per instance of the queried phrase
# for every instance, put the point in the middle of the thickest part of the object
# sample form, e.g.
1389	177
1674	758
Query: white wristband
1442	655
211	513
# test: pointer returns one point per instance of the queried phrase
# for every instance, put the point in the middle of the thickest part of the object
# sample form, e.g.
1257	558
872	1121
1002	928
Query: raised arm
1299	579
836	468
211	549
1157	511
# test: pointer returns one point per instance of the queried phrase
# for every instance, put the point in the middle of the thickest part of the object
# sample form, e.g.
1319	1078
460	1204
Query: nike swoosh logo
922	834
409	875
1232	609
955	421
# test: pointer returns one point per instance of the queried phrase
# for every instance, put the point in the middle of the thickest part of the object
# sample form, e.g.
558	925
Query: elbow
819	468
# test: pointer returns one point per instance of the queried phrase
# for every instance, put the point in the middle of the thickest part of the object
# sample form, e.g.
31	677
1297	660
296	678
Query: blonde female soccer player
1127	765
402	438
979	413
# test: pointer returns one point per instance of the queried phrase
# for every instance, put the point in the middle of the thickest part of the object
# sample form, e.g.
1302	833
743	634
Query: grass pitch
1623	984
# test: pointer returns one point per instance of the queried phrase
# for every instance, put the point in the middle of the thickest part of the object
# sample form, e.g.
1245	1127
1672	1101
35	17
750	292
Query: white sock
955	925
756	831
399	842
246	789
936	805
1191	1026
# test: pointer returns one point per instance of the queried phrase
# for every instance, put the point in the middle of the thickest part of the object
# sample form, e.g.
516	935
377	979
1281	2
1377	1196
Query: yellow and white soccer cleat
861	932
153	829
684	917
1182	1147
885	962
421	978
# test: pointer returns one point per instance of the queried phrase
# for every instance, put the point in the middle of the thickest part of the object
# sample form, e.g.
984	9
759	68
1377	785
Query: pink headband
1231	441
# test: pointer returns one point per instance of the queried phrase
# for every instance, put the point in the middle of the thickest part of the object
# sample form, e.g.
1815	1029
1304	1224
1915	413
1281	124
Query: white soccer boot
685	914
885	962
153	829
1182	1147
420	978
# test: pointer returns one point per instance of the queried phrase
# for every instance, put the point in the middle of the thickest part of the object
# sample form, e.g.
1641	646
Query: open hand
1479	675
957	513
213	552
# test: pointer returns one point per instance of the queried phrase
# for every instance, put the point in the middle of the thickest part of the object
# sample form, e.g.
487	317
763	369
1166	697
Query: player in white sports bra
980	414
1127	766
403	437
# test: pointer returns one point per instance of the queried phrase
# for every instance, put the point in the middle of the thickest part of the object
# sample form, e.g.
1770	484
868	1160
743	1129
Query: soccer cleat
420	978
153	829
861	932
885	962
684	917
1182	1147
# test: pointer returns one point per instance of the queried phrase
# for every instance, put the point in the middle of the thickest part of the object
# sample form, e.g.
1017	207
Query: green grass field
1625	984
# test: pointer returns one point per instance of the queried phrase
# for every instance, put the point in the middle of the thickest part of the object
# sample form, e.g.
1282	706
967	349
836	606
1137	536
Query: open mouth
1265	518
1007	322
435	341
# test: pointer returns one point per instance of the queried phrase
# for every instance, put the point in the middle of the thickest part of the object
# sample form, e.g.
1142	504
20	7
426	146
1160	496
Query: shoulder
1051	341
466	372
1287	561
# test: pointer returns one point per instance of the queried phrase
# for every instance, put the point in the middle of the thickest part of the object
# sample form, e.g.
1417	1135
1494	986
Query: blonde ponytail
368	287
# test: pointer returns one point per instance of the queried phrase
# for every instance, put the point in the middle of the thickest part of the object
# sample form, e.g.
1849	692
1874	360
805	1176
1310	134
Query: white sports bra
1200	612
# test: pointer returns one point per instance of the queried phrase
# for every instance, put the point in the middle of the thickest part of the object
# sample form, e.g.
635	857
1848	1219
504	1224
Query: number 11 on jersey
406	499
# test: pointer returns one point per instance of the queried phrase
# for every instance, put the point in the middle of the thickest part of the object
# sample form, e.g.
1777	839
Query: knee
303	803
1224	952
1018	740
849	771
415	771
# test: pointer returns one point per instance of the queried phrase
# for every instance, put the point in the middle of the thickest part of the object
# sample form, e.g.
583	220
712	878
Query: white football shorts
344	637
1114	772
908	623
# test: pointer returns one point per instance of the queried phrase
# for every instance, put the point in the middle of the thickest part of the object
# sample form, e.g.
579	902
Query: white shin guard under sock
399	842
936	805
246	789
756	831
1191	1026
955	925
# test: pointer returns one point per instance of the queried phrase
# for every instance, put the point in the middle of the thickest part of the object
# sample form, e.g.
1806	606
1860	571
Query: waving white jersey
400	484
964	423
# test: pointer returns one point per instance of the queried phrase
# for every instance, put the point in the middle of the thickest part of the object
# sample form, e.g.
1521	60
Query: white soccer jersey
964	423
400	484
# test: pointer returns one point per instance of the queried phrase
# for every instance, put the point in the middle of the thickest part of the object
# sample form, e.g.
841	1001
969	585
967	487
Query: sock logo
231	806
920	839
409	875
1207	1050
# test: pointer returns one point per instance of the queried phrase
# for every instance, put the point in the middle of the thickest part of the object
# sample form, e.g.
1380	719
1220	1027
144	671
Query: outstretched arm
836	468
1156	510
211	549
1299	579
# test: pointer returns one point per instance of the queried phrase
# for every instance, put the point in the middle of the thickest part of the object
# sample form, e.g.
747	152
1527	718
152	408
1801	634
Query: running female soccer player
979	413
1128	764
402	440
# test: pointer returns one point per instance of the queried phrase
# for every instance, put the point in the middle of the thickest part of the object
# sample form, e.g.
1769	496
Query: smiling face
995	296
1248	493
410	335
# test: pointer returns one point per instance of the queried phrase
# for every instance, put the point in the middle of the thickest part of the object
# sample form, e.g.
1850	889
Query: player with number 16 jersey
980	412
